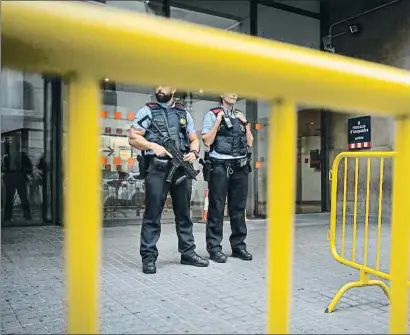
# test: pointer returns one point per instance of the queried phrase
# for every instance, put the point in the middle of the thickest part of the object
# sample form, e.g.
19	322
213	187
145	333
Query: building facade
34	114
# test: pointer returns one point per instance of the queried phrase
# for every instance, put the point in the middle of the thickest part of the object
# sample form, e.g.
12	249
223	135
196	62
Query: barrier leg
281	209
399	256
82	211
346	287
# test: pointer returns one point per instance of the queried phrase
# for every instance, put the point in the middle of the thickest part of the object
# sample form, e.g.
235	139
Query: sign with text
359	132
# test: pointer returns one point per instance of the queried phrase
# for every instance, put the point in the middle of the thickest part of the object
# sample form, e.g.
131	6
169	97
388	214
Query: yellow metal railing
84	43
353	261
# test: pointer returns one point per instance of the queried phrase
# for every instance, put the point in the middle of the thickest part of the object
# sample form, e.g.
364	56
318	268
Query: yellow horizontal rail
136	48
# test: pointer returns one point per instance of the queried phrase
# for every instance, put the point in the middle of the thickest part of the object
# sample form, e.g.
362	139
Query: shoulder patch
179	106
153	105
216	110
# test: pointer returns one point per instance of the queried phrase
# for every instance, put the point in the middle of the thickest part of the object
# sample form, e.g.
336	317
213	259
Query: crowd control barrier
85	43
357	209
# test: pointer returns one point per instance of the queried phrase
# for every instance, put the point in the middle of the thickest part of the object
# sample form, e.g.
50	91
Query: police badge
182	121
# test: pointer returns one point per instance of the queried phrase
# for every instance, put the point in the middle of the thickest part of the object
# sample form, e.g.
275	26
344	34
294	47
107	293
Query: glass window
22	148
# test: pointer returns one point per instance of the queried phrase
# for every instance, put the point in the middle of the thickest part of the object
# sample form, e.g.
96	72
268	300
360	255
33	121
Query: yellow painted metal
281	199
82	211
379	218
359	283
366	213
344	205
72	37
356	185
364	269
149	50
399	255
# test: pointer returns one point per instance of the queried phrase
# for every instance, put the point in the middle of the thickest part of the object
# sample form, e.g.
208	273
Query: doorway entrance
308	171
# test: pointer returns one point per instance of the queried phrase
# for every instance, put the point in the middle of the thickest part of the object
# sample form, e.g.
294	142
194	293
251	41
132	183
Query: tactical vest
230	141
171	122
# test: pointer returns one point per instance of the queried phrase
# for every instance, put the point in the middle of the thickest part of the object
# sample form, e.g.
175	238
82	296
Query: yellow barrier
363	266
84	43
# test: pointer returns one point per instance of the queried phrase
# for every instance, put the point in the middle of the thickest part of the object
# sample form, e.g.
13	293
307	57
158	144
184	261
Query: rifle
177	159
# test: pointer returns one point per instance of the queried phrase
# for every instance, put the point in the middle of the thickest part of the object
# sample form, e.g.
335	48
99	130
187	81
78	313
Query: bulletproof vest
230	141
171	122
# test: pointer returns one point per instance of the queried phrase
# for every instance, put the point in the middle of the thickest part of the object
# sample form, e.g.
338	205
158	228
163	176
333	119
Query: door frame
53	111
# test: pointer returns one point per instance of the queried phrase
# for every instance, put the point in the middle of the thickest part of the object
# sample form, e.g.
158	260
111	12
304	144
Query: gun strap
160	112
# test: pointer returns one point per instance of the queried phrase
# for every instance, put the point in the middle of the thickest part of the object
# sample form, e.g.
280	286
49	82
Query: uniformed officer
173	120
227	133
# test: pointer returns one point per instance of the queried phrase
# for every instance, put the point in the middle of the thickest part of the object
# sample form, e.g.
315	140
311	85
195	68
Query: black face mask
163	98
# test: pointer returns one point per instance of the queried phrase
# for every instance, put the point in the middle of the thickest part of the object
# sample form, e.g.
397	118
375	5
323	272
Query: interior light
201	91
107	79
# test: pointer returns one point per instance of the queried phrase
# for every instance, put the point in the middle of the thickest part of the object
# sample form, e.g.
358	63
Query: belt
229	162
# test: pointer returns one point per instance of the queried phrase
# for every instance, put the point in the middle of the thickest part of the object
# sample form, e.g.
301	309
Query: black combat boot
242	254
218	256
195	260
148	267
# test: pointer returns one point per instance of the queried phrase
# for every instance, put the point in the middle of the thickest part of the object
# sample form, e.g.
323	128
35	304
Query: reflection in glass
22	148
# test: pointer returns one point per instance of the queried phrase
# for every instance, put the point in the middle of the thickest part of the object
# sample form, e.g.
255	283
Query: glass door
24	138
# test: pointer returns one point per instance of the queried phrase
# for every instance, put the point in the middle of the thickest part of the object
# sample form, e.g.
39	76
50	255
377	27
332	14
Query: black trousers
156	191
16	181
232	182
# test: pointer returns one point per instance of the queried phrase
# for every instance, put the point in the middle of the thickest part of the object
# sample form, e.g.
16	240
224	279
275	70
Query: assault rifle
177	158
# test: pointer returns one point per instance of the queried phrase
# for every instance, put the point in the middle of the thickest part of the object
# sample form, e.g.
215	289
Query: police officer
227	133
173	120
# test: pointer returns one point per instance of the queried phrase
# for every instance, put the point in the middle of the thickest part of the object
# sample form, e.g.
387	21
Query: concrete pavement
223	298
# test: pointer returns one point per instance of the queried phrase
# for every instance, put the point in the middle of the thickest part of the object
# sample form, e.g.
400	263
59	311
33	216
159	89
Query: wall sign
359	132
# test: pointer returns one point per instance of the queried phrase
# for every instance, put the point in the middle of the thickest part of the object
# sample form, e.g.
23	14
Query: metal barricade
71	38
357	199
123	197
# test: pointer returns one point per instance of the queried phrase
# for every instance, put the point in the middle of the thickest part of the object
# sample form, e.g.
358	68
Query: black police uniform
172	123
228	177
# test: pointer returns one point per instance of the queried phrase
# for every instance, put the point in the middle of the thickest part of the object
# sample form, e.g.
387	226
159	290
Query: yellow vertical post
399	256
281	207
82	217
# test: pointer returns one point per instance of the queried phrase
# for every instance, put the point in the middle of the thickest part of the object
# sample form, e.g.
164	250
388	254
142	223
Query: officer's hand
219	116
190	157
160	151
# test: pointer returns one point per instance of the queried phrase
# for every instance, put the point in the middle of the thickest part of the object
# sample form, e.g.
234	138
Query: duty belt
237	162
230	164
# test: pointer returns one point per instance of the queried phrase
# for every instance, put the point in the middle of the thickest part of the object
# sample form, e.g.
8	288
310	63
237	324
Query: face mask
163	98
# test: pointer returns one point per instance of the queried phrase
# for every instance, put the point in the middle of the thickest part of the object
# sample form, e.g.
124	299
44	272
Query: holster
207	171
160	164
206	163
143	165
